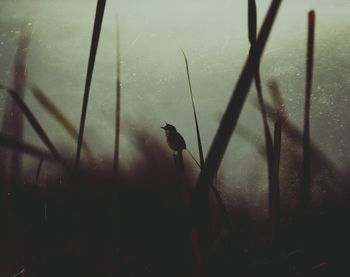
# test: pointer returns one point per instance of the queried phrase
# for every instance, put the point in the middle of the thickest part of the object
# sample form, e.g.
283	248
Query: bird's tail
179	161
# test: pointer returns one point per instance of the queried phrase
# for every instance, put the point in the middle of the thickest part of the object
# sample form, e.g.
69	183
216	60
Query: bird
176	143
174	139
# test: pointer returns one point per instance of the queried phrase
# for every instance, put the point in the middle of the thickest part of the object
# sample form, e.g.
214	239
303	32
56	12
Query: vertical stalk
199	141
228	124
275	191
93	50
252	26
117	110
305	183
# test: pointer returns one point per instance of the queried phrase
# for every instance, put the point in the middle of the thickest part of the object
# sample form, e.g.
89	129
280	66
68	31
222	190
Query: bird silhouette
174	139
176	143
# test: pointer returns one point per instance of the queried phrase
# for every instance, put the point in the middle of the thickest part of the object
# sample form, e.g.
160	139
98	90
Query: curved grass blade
35	124
199	141
23	147
57	114
220	202
93	50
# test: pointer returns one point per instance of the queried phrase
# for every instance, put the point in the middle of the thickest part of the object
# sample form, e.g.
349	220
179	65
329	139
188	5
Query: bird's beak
162	127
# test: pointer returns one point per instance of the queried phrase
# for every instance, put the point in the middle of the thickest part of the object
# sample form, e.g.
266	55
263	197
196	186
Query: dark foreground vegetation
159	219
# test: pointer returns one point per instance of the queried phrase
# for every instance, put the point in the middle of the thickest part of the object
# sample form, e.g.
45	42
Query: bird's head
169	128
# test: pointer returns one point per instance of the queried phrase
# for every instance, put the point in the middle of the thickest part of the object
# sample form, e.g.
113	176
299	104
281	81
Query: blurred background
154	83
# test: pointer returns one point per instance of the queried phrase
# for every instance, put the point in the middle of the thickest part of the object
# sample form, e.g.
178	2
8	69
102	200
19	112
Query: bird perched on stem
174	139
177	143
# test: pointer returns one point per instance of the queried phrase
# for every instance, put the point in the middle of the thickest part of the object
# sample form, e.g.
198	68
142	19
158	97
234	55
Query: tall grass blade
252	25
252	19
199	141
228	124
305	183
267	133
60	117
34	123
114	217
93	50
118	98
240	92
219	201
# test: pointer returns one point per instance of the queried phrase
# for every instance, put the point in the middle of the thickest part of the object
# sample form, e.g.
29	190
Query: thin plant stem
118	106
305	183
93	50
199	141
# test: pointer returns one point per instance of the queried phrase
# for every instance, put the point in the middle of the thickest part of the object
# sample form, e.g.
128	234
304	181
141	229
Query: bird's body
174	139
176	143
